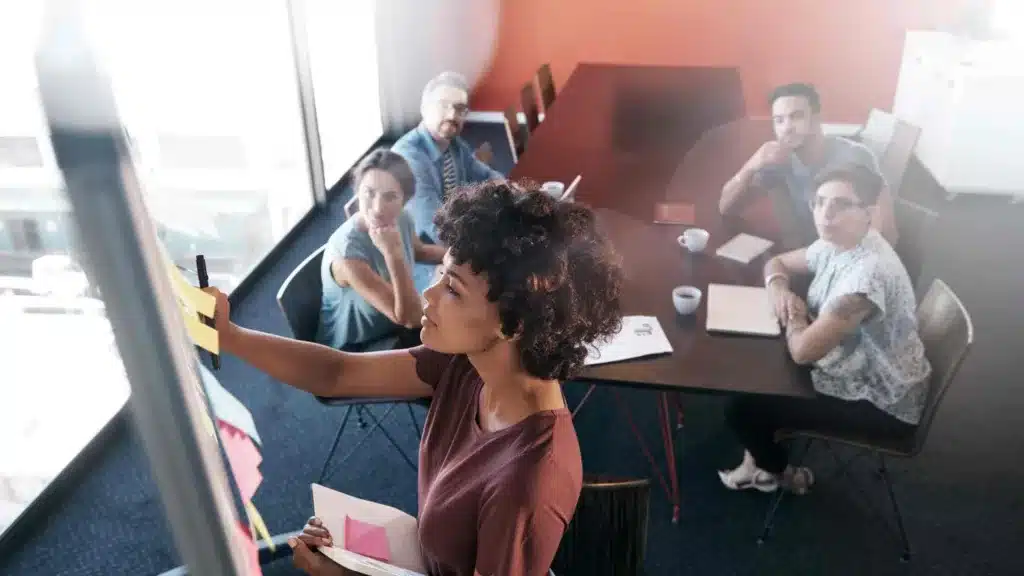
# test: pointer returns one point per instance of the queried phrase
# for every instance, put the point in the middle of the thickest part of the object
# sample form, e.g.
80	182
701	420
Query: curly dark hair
553	274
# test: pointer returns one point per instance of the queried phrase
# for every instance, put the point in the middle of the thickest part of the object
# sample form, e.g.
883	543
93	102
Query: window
345	74
214	125
215	122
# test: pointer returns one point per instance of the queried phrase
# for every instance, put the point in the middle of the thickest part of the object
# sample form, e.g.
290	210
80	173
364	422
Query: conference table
608	125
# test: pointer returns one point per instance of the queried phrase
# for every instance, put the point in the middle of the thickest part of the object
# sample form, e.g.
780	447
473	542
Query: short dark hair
867	183
801	89
390	162
553	274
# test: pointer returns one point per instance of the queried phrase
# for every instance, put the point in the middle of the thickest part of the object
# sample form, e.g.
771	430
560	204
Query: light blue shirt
346	317
883	360
427	162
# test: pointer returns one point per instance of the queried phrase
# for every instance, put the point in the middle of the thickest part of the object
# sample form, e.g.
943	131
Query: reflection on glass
215	125
216	136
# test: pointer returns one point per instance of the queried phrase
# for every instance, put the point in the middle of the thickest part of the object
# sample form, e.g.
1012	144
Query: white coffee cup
554	189
694	239
686	299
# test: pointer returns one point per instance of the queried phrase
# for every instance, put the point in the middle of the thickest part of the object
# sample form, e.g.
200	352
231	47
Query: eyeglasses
839	203
460	108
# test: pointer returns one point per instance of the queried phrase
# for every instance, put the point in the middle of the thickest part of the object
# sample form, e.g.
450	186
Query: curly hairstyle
553	274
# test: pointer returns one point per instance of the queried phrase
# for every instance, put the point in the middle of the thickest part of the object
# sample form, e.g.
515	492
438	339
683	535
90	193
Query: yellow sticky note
201	334
257	522
192	297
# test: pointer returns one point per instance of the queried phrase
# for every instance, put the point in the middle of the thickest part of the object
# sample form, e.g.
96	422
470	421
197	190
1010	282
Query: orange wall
850	49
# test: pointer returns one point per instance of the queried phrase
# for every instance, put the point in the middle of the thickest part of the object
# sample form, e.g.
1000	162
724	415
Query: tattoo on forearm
851	305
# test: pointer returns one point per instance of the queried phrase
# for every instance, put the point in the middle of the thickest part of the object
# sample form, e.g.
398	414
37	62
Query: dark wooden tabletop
642	135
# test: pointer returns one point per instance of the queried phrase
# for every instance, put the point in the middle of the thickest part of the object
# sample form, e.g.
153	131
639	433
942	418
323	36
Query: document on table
744	248
640	336
369	538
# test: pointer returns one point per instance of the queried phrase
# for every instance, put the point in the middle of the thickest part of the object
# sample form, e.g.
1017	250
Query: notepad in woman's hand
744	248
369	538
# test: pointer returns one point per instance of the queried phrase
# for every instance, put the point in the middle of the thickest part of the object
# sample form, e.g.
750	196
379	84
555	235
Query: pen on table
570	192
204	282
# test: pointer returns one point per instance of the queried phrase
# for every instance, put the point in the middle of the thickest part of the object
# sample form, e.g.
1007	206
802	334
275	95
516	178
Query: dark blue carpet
961	498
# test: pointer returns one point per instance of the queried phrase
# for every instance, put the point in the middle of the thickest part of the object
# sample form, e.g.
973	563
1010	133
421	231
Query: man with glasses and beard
441	161
799	153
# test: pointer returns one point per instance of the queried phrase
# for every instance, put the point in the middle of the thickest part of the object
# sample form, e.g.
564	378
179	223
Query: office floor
961	499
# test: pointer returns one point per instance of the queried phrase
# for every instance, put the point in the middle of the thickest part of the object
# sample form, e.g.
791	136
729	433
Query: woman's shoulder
878	257
350	240
548	451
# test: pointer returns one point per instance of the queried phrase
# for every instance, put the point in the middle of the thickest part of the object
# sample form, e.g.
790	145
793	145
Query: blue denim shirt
420	151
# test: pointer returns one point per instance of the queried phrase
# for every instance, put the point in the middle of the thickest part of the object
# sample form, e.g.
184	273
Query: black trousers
755	419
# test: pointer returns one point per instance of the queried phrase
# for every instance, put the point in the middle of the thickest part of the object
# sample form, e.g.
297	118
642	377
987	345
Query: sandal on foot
756	480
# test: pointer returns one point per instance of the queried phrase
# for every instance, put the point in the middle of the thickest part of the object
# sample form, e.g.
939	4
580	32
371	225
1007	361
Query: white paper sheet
744	248
332	507
640	336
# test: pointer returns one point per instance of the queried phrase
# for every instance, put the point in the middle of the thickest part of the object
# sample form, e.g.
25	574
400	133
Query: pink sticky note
366	539
243	457
252	553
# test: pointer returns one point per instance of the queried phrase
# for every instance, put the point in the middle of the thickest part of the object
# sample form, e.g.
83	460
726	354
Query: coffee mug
554	189
686	299
694	239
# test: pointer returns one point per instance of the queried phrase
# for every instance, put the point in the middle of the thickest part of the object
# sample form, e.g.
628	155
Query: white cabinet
967	97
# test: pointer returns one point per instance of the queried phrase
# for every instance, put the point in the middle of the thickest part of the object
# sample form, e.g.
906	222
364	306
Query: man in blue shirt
800	152
440	160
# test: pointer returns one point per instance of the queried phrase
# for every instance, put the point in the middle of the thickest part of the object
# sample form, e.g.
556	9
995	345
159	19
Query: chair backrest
515	131
352	206
608	531
947	331
489	128
546	82
893	141
914	223
529	102
878	131
300	296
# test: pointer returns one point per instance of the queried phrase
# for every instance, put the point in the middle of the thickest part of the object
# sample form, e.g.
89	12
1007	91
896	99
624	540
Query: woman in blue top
368	290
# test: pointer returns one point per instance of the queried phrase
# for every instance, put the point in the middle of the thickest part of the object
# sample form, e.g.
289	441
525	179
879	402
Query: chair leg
884	472
380	424
769	518
334	446
359	416
415	424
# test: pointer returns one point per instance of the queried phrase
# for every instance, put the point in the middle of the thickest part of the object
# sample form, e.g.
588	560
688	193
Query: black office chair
947	332
608	532
299	299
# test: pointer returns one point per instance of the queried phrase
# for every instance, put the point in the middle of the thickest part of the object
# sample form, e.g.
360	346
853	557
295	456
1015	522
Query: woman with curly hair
527	282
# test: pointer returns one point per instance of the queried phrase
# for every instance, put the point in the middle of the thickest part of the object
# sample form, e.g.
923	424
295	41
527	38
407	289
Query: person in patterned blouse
857	330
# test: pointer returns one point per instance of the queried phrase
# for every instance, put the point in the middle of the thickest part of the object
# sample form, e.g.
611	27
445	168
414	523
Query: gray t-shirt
346	318
883	360
799	178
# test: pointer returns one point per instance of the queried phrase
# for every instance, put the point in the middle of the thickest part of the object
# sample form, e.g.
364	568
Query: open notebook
741	310
369	538
640	336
